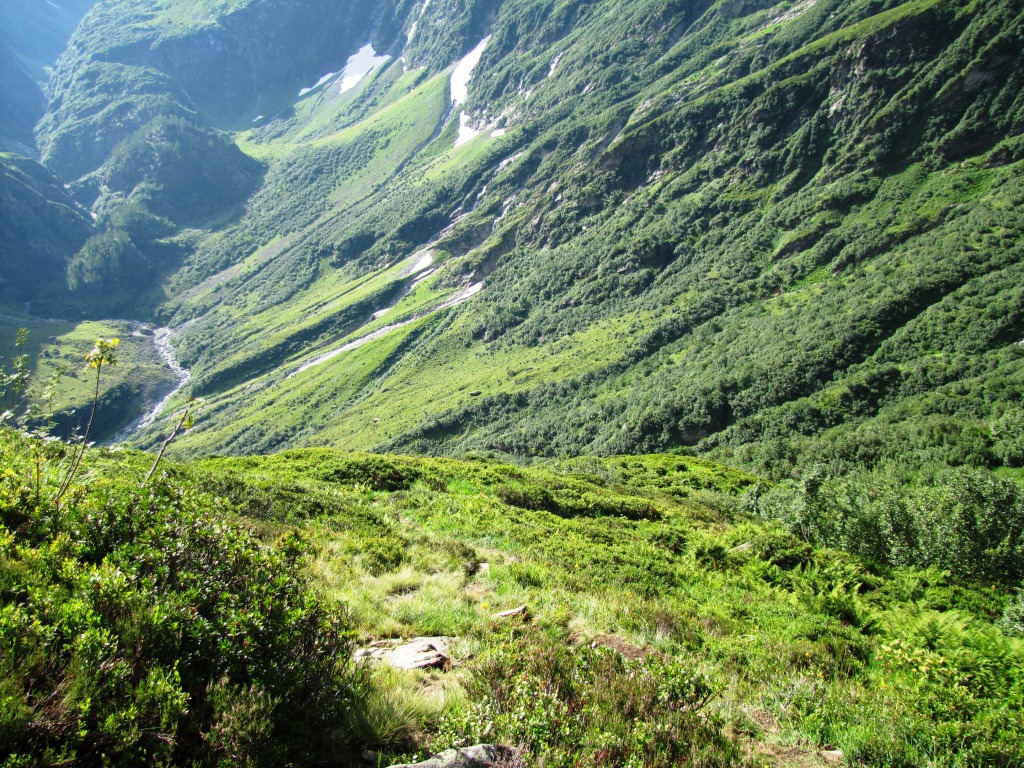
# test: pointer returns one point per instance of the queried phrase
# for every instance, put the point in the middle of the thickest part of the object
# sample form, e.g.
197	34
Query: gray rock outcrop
480	756
418	653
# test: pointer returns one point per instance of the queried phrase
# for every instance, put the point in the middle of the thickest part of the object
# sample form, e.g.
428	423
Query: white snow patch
359	65
319	82
423	276
415	24
466	131
426	258
789	14
464	71
349	347
466	295
416	269
554	64
509	160
426	261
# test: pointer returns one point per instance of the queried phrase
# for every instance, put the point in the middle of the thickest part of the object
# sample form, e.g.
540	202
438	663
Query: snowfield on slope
466	295
359	65
461	76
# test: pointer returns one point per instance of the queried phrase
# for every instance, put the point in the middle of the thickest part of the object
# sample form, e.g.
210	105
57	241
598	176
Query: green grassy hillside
635	240
695	225
209	615
677	225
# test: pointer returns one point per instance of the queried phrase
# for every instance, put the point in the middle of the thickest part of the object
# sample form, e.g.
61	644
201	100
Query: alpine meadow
514	382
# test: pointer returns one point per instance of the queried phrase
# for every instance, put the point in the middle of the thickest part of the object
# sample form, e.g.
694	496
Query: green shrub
1008	437
967	521
568	705
146	628
1012	620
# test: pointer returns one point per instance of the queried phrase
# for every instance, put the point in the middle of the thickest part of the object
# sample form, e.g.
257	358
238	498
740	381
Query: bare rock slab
480	756
520	611
418	653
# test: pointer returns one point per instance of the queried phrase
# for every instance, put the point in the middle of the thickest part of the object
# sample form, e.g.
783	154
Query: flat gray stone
419	653
480	756
520	611
422	653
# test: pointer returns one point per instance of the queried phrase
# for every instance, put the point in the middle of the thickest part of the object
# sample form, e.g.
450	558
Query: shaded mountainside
32	37
641	226
23	101
42	225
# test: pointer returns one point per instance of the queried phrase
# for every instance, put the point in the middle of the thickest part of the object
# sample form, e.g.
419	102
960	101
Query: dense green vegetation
207	618
136	628
42	225
783	236
679	184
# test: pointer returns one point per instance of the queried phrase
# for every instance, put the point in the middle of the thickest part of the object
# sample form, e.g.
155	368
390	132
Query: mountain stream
162	344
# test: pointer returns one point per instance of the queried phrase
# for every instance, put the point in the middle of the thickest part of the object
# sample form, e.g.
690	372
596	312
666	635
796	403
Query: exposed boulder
521	611
418	653
480	756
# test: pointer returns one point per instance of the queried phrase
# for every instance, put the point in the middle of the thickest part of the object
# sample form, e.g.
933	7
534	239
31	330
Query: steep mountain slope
23	101
641	226
32	36
39	32
42	225
785	234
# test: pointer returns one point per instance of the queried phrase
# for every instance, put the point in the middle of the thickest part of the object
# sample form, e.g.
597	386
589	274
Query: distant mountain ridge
647	225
